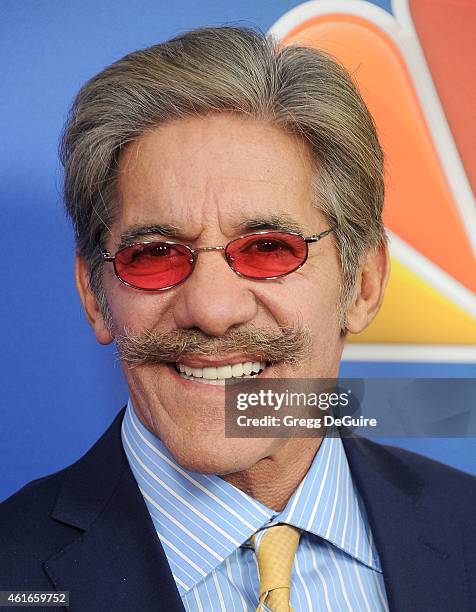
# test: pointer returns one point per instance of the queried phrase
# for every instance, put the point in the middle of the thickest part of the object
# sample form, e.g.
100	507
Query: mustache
288	344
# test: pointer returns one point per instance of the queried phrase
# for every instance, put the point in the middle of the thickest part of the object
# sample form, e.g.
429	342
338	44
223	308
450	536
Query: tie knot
275	550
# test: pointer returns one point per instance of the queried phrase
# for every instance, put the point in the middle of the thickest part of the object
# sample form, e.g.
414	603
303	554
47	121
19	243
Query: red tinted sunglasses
161	265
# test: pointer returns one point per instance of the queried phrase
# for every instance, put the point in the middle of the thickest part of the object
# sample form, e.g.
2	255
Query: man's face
210	178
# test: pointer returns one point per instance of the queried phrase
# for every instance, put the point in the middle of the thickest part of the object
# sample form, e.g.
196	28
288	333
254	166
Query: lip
205	362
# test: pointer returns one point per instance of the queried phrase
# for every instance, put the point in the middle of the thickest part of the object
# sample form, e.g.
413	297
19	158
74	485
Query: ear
89	302
369	289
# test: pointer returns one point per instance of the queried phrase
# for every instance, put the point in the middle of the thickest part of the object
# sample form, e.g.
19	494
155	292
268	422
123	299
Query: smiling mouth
218	375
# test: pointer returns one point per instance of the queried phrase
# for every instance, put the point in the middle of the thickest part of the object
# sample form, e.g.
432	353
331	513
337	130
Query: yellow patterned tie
275	555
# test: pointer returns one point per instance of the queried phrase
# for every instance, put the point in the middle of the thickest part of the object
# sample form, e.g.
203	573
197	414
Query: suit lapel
117	561
423	564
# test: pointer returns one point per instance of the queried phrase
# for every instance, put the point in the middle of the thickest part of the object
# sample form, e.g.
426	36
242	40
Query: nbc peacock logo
414	69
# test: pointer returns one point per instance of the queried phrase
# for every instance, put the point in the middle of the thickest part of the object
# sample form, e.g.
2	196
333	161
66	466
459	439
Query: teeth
237	370
224	372
212	375
203	381
247	368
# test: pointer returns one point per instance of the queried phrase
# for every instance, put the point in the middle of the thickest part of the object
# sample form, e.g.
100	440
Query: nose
214	298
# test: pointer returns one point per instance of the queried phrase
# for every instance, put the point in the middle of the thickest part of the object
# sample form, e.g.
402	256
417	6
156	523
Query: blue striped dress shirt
204	522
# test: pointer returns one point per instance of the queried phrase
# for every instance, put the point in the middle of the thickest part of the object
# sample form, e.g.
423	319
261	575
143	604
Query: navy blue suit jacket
86	530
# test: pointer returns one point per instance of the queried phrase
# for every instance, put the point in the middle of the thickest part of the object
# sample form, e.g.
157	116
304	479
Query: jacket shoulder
453	490
31	502
29	531
28	536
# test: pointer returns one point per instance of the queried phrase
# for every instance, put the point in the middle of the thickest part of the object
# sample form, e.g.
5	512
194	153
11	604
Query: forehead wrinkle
200	199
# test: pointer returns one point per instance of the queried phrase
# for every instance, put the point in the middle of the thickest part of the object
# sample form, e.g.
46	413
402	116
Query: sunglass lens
154	266
270	255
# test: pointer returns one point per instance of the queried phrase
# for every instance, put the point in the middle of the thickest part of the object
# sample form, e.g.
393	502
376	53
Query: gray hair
227	69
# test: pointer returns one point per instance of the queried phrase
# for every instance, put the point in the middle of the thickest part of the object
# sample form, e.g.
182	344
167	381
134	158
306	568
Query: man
227	200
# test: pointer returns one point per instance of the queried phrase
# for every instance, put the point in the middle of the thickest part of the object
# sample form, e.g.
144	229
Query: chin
226	456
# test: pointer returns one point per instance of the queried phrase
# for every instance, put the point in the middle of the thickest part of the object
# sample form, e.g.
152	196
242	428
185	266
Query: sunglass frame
108	257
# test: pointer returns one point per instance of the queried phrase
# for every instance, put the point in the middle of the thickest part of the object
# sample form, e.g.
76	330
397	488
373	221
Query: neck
273	479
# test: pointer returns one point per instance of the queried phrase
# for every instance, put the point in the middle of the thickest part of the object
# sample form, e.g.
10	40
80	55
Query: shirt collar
201	519
327	504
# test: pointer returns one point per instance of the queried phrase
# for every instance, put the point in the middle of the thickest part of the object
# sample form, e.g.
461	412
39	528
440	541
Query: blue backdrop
60	389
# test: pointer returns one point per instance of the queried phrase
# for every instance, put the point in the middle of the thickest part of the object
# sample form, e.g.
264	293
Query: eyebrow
134	233
280	223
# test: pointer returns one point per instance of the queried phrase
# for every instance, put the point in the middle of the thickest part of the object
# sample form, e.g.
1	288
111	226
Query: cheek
312	302
137	310
302	299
